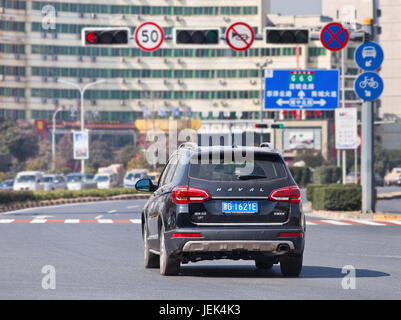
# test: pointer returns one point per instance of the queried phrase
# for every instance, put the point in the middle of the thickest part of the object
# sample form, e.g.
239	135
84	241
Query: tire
151	260
169	266
291	266
263	264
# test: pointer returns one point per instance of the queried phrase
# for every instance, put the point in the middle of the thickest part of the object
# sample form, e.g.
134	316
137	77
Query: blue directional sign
302	89
369	56
369	86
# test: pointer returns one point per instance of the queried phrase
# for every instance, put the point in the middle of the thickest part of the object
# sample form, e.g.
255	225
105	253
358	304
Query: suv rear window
262	167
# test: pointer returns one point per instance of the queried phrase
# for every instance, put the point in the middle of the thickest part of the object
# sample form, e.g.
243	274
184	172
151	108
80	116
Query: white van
131	177
106	180
28	180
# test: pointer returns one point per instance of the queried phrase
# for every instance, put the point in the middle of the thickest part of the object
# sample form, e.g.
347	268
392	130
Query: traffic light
196	36
105	36
286	36
272	126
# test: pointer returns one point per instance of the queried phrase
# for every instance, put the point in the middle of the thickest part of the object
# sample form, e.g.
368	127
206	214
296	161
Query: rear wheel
263	264
291	266
169	266
151	259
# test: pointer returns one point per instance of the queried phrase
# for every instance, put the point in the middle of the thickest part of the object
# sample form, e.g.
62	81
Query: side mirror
145	185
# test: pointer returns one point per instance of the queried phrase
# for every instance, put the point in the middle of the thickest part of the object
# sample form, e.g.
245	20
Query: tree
126	153
311	159
138	162
21	141
100	154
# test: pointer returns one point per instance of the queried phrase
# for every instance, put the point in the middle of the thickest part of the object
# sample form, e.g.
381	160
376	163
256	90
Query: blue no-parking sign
369	56
302	89
369	86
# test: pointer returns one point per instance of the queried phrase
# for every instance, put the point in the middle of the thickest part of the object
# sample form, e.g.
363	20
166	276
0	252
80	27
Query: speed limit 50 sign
149	36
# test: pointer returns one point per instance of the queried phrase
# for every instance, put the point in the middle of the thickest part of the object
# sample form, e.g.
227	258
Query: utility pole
54	139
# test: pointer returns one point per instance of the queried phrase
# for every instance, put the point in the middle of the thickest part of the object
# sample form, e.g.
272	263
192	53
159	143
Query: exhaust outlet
283	247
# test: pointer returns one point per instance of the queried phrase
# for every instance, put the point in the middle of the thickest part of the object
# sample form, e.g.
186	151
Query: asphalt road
104	261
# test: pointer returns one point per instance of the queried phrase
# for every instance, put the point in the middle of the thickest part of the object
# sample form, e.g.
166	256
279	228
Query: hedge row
326	175
338	197
7	197
301	175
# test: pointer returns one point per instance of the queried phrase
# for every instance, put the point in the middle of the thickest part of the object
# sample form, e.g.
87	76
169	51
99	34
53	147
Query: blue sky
289	7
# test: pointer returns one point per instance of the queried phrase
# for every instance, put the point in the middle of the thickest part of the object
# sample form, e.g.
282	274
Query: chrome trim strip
154	252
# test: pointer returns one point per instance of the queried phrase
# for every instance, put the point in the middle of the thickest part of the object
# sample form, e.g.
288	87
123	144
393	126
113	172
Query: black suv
223	203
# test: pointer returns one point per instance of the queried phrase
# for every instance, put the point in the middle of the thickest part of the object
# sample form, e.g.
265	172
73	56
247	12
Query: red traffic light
105	36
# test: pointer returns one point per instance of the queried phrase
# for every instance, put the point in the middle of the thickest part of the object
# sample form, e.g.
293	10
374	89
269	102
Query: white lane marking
105	221
42	217
6	220
111	211
369	223
132	207
38	221
99	216
338	223
71	221
136	220
308	223
395	221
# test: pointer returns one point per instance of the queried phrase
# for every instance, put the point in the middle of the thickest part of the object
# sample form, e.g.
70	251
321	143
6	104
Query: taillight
184	195
290	235
288	194
186	235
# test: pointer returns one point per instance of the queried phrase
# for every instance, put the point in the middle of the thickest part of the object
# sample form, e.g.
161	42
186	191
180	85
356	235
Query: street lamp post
261	66
54	139
82	92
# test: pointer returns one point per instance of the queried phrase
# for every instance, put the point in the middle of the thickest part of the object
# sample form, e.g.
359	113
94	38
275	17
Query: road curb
47	203
349	215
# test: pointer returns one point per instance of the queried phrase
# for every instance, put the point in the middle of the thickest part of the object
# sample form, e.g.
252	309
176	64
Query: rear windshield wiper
250	177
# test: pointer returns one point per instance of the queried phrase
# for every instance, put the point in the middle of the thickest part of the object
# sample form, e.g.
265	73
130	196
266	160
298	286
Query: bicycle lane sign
369	86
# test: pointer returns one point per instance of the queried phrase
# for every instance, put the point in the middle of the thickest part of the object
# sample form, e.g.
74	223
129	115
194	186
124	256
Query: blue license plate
239	207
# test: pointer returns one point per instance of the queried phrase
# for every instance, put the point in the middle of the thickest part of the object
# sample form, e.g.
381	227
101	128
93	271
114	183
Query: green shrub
326	175
8	196
301	175
309	190
336	197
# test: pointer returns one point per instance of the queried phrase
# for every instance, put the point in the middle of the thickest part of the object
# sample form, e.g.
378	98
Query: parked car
350	178
206	210
28	180
379	181
79	181
393	177
132	176
54	182
7	184
106	180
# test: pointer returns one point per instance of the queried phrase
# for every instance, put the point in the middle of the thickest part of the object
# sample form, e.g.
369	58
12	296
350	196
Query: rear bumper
239	241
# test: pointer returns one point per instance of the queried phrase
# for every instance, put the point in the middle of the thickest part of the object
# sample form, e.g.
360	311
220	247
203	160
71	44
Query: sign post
369	87
334	37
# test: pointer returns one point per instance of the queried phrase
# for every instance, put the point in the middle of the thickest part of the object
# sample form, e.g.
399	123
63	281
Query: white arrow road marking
99	216
111	211
136	221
